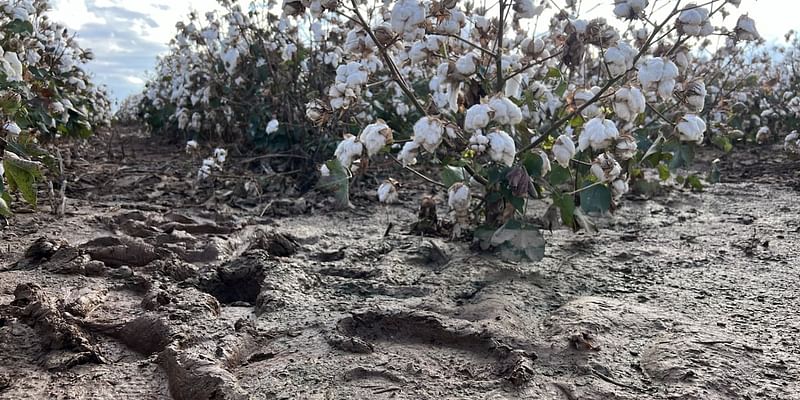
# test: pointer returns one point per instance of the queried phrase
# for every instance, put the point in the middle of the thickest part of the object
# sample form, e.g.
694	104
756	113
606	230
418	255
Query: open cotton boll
458	196
619	58
324	171
220	155
375	136
605	168
12	128
658	74
272	126
230	59
406	19
12	66
387	193
191	146
564	150
696	95
629	9
694	21
478	143
478	117
502	148
597	133
428	133
526	9
466	65
746	29
408	154
691	128
625	147
505	111
545	162
348	150
791	143
582	96
763	135
618	188
629	103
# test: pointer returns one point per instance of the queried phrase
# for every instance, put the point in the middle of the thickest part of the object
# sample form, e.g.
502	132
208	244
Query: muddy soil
152	287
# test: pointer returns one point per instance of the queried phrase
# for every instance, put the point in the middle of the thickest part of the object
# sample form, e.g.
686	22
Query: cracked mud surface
144	294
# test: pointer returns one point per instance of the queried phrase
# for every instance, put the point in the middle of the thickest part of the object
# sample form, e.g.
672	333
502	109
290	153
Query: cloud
125	36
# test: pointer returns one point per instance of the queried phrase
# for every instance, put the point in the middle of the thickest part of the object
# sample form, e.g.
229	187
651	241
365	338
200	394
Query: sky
127	36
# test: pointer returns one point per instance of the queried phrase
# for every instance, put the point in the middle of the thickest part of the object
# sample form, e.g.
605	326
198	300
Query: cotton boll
618	188
691	128
502	148
478	117
791	144
191	146
406	19
629	9
696	95
387	193
324	171
478	143
629	103
763	135
505	111
428	133
408	154
658	74
220	155
694	22
597	133
605	168
564	150
746	29
625	147
466	64
375	136
272	126
348	150
12	66
582	96
545	163
619	58
526	9
458	196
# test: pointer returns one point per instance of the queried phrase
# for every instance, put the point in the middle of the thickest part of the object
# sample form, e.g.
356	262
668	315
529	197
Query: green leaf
20	26
596	199
338	182
663	171
559	174
694	182
533	164
554	73
723	142
23	178
562	87
519	241
566	205
4	210
452	175
682	156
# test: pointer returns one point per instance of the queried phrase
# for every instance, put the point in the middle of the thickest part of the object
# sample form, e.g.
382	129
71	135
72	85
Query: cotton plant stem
499	48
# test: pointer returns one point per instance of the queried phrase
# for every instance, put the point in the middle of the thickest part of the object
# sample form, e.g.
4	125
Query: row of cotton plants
516	101
572	116
44	94
233	75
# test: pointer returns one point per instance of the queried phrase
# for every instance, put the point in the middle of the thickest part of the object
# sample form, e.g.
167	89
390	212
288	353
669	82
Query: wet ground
152	287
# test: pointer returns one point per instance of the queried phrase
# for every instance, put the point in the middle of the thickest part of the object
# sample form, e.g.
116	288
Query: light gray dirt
688	296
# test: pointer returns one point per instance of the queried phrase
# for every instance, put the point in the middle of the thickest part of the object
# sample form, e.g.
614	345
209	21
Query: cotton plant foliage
45	95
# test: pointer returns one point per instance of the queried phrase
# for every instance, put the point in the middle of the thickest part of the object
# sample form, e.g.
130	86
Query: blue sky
127	35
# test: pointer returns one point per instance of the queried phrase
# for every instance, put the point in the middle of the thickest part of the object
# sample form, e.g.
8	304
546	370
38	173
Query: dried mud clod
276	244
114	251
39	311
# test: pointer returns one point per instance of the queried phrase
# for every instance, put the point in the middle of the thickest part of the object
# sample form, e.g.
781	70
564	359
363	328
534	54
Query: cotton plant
556	116
45	95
